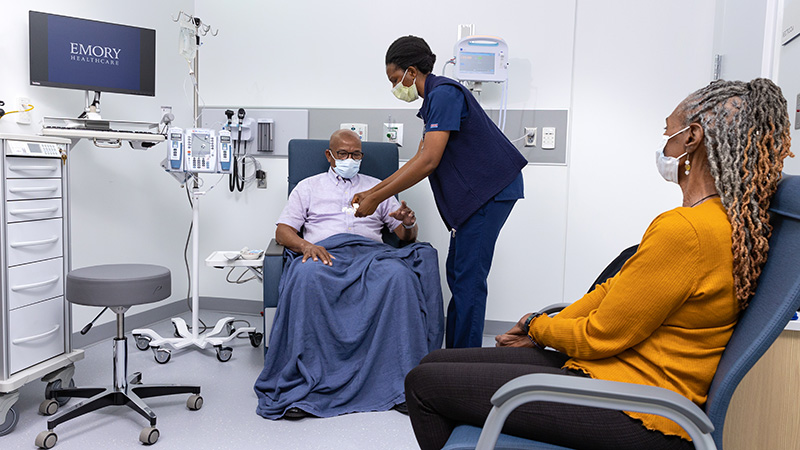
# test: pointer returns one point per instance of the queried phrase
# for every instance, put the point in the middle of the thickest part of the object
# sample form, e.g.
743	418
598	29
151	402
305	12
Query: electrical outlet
548	138
530	136
23	117
261	178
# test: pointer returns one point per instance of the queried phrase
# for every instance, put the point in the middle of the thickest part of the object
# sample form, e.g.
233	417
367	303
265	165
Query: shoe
402	408
295	413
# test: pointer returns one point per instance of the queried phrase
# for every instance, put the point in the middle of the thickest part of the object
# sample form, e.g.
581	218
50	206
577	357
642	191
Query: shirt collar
336	179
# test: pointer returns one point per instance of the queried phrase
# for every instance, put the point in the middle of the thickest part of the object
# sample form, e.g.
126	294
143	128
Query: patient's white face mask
346	168
668	165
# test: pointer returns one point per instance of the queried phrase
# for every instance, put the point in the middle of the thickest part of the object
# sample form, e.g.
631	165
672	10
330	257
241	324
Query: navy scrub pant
468	262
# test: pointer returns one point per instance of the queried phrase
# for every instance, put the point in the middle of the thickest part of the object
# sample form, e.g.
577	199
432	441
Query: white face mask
668	165
406	93
346	168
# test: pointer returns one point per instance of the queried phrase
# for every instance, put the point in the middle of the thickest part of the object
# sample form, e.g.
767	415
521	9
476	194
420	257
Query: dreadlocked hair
410	51
747	137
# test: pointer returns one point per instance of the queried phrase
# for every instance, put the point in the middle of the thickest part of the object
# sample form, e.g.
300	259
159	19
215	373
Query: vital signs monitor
481	58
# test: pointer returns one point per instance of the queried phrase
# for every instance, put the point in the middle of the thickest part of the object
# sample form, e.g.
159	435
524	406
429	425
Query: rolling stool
117	286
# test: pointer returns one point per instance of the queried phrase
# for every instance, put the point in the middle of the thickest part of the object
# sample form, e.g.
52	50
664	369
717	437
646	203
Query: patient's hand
515	337
317	253
404	214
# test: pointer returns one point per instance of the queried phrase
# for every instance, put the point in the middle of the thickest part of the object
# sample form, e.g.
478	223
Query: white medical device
481	58
175	149
225	151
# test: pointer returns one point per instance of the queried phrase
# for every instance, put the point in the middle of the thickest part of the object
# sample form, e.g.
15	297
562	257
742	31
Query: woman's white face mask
668	165
406	93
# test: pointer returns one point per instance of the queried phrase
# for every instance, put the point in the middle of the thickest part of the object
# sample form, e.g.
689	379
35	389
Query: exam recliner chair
775	301
307	158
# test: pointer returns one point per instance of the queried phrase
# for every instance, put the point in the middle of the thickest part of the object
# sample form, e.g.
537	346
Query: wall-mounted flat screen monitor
89	55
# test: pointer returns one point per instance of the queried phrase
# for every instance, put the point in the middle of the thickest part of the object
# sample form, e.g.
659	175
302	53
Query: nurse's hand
366	202
515	337
317	253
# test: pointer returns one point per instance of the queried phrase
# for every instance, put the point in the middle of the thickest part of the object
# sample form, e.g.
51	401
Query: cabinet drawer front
29	189
36	333
33	167
34	241
30	283
33	210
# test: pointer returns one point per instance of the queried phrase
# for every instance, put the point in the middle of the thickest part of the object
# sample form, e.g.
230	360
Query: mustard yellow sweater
664	319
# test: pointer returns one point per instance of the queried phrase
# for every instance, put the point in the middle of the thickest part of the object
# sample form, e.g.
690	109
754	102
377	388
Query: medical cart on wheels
35	320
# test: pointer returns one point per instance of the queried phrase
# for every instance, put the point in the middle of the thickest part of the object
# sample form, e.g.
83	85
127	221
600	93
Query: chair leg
80	392
135	403
101	400
148	391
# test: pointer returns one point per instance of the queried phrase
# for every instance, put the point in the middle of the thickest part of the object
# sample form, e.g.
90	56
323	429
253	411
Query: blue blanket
345	336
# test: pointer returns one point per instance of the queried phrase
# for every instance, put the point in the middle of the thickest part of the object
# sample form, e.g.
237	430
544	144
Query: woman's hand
367	204
517	336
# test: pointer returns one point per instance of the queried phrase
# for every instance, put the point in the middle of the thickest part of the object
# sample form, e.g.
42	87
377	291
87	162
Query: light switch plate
548	138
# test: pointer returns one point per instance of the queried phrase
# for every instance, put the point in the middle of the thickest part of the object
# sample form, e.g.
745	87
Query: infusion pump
198	150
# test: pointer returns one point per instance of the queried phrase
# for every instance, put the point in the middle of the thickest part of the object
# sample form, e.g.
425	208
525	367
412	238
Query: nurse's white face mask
668	165
406	93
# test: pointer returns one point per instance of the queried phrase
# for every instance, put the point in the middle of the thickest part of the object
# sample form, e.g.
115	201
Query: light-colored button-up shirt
321	204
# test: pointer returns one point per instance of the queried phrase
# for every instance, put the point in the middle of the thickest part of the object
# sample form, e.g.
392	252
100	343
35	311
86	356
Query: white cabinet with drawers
35	322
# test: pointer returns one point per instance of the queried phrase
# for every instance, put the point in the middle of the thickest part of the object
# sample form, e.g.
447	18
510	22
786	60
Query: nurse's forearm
417	168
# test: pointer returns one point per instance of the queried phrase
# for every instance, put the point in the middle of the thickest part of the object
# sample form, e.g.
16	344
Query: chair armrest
596	393
272	270
554	308
274	249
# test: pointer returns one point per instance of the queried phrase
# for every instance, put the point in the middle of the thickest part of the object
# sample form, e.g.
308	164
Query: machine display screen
34	148
472	62
73	53
201	145
225	139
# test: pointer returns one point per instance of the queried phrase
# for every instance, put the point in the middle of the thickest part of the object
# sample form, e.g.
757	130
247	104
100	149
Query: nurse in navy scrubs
475	173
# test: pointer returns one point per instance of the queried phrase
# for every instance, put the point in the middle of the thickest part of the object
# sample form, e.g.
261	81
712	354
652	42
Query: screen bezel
38	62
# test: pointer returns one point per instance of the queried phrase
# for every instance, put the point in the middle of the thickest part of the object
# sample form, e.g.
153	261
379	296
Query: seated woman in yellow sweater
666	317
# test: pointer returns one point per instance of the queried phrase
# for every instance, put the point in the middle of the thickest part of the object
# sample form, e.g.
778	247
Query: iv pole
183	337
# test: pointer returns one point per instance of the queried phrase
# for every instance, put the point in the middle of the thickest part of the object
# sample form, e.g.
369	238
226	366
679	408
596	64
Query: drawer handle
23	287
33	189
19	212
47	168
38	336
33	243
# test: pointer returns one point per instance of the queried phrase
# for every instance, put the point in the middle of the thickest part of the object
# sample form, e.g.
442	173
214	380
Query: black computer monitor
73	53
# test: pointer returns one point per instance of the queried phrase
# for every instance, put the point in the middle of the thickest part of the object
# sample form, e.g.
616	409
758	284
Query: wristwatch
527	327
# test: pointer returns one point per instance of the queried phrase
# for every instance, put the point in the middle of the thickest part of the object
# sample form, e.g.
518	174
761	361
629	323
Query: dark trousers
468	262
454	386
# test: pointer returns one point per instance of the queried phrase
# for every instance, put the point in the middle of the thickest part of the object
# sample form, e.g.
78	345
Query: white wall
331	54
618	66
634	62
789	82
125	209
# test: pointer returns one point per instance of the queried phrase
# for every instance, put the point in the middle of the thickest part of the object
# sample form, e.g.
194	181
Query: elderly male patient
354	315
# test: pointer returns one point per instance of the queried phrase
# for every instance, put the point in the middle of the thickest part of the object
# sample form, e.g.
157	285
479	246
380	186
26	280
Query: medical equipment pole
195	260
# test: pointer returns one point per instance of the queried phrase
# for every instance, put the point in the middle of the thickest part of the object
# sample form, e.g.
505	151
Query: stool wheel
46	439
162	355
56	384
223	353
255	338
48	407
149	436
142	342
194	402
229	328
9	423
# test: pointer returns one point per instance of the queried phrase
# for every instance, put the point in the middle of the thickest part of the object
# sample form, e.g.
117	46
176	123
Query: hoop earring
687	166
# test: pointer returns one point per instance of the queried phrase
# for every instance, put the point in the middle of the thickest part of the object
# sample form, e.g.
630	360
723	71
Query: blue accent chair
307	158
773	305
